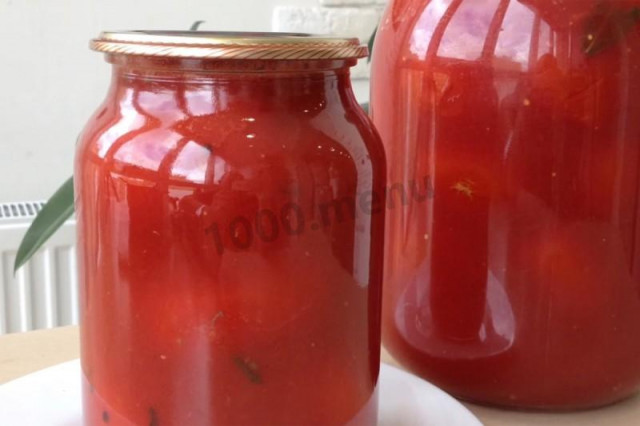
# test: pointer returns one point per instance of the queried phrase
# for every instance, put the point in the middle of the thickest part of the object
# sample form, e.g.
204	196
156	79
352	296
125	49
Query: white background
50	82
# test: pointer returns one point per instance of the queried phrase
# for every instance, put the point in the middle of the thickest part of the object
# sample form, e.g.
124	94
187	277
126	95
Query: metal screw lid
229	45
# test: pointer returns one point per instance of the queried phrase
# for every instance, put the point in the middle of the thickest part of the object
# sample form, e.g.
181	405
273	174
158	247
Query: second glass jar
517	281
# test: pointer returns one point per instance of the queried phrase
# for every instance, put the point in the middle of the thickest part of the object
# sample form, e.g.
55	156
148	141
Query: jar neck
208	66
206	85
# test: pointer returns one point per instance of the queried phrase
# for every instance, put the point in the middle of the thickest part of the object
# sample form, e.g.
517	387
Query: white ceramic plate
51	397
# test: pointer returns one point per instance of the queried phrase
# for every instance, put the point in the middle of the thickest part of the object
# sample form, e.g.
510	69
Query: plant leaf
249	368
58	209
365	107
372	39
196	25
608	28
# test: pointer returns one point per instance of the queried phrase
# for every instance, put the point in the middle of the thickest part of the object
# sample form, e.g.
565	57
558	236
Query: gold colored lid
229	45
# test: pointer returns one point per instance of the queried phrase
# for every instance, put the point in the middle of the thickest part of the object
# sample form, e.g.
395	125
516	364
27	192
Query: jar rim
229	45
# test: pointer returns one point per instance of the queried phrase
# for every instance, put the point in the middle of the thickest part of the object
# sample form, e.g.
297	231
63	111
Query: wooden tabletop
25	353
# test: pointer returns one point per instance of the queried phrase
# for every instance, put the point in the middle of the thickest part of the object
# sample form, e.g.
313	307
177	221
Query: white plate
51	397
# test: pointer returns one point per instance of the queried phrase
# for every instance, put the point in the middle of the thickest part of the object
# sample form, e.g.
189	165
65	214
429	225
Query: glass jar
517	281
230	261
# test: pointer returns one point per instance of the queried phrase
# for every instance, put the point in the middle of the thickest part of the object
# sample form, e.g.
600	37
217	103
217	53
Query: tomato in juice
227	275
518	282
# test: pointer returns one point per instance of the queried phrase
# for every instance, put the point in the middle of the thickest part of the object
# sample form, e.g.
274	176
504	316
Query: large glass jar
517	280
230	249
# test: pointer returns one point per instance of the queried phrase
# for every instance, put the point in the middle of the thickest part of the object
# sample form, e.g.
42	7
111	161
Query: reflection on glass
224	264
523	113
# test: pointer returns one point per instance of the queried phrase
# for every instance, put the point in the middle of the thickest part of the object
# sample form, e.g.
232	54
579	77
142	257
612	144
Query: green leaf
58	209
608	28
196	25
372	39
249	368
365	107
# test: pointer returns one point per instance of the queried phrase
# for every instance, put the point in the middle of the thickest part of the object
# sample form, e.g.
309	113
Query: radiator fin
43	293
20	210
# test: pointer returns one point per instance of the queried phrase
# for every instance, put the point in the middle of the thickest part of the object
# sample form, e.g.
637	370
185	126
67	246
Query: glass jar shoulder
195	141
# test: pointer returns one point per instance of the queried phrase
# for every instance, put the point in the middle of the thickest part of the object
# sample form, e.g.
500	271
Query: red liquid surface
518	281
219	285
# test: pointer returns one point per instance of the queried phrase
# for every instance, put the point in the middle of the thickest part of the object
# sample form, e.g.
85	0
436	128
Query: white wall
50	82
357	18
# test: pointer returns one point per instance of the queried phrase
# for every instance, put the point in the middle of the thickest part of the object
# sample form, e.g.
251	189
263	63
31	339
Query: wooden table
25	353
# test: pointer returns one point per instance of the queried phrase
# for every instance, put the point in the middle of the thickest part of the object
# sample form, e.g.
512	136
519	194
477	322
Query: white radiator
44	293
